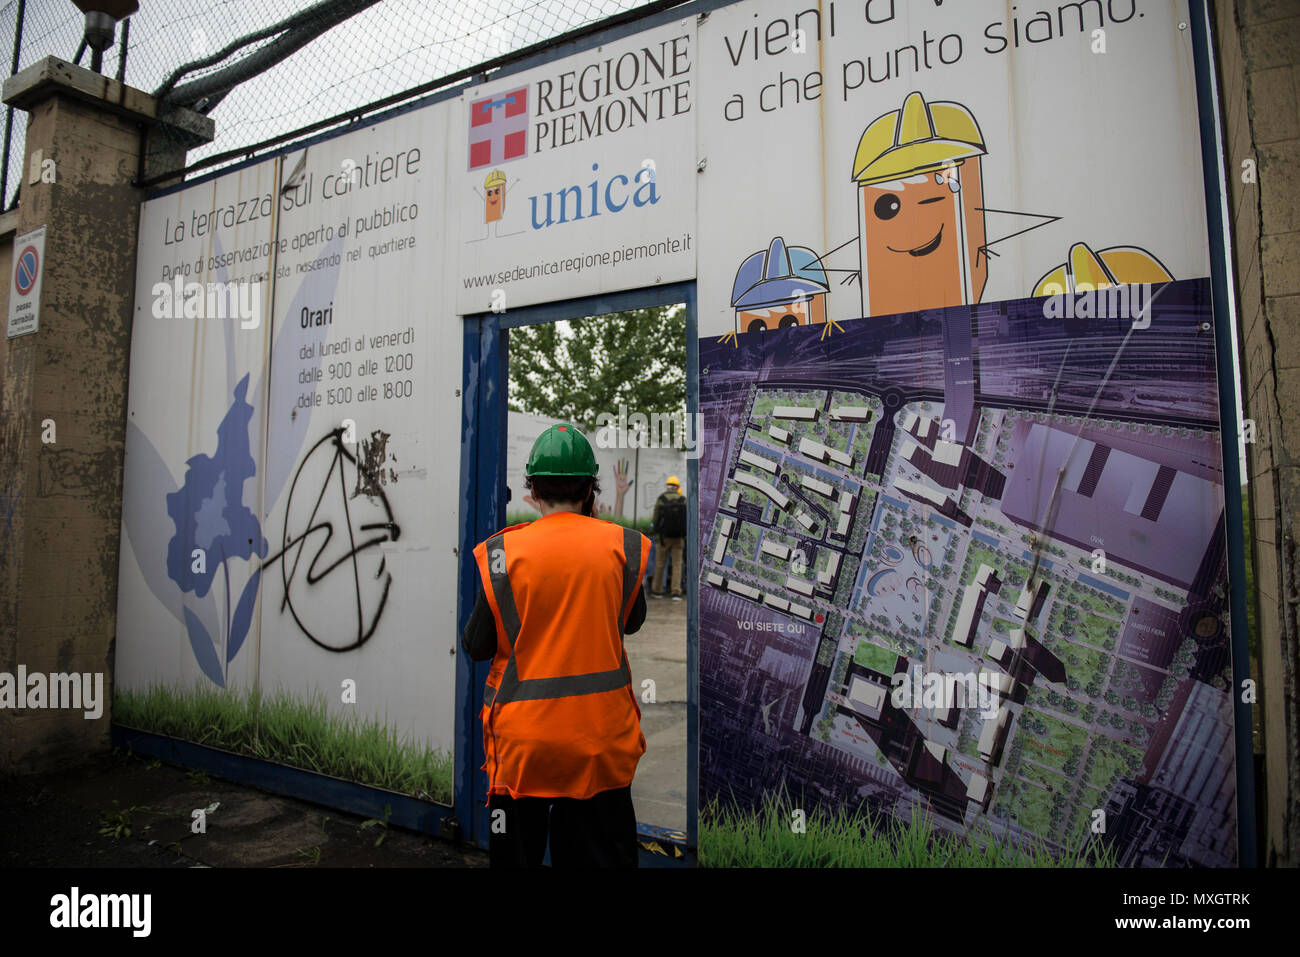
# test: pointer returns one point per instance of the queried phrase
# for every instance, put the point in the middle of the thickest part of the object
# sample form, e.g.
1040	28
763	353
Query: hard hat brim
913	158
562	474
776	292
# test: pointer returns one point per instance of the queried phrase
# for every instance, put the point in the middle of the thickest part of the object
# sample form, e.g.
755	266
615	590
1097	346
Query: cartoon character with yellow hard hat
494	204
1085	270
495	197
921	239
920	208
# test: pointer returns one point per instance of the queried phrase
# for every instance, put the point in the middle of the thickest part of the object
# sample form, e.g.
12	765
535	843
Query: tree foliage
580	368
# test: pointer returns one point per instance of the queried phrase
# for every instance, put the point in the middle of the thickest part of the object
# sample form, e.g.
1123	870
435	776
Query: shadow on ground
126	811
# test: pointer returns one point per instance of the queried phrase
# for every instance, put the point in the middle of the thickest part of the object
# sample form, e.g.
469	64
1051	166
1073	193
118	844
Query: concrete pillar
1258	52
60	502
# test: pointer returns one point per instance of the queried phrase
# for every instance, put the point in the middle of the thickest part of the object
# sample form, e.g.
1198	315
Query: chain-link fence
308	60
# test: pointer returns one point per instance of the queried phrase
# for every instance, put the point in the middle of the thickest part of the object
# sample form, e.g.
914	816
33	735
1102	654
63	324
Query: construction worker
669	527
561	724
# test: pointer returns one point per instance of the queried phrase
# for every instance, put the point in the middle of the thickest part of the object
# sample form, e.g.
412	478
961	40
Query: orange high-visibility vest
560	718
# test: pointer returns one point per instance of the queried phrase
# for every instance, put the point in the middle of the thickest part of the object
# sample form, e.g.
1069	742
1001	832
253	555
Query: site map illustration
970	563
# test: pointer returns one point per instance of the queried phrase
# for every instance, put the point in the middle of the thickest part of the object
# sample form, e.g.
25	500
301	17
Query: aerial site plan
968	563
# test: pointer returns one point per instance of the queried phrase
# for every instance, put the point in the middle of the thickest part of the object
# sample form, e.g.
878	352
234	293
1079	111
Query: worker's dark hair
563	489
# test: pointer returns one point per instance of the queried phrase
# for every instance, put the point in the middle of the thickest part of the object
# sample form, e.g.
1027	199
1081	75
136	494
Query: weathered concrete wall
61	583
60	501
1258	51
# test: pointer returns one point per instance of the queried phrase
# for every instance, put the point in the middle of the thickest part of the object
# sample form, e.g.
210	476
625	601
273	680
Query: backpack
672	518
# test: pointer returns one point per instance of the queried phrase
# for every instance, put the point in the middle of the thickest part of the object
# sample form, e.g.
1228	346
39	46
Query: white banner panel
578	177
876	158
284	456
365	431
192	491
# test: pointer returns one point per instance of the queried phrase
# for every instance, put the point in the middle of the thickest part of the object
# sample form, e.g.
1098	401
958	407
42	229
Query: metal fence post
121	50
9	110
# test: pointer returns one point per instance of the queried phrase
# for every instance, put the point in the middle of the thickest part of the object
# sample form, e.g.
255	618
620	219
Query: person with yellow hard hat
561	724
669	527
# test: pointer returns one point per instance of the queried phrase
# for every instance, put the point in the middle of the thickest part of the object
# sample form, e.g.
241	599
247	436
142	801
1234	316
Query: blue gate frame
1225	317
483	512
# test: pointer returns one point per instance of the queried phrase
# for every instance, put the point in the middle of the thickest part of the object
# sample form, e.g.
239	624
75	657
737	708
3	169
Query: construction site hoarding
293	416
940	155
961	504
961	496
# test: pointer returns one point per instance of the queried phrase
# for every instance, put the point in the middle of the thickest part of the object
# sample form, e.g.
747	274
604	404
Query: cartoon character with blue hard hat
779	287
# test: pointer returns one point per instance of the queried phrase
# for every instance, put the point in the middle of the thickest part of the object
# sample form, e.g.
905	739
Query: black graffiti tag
319	509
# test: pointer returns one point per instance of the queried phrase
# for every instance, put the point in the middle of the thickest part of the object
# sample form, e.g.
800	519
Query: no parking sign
25	284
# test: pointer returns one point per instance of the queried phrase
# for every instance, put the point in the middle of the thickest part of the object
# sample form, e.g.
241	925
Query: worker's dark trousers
597	832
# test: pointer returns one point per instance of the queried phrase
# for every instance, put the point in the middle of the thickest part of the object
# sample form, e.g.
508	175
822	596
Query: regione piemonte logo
498	128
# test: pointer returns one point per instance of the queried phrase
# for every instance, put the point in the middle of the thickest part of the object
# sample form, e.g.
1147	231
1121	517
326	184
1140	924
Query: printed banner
961	500
579	176
968	564
871	159
292	414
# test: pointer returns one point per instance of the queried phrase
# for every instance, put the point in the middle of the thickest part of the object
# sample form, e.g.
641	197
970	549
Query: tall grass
731	837
289	730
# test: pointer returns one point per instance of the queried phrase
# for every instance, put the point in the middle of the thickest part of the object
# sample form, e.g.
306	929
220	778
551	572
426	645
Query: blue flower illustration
209	515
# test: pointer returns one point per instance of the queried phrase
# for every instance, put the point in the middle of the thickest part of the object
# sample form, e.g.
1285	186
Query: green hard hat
561	450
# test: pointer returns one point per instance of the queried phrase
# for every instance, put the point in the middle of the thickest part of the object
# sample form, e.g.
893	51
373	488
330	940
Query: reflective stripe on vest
564	686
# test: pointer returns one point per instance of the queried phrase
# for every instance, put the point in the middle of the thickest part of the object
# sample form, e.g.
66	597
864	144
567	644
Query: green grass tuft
730	837
288	730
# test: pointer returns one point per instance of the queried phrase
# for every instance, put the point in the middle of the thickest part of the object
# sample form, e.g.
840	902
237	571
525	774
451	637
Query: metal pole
9	111
121	50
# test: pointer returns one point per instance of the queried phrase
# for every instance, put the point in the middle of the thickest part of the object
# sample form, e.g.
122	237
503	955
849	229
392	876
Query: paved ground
56	820
658	652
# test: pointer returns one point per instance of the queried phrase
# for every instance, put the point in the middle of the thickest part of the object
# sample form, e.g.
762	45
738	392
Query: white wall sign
578	177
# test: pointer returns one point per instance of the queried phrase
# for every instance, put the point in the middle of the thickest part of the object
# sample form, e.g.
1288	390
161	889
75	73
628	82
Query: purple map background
757	697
